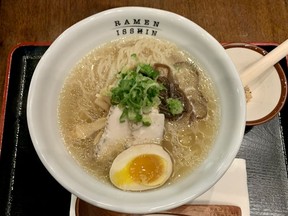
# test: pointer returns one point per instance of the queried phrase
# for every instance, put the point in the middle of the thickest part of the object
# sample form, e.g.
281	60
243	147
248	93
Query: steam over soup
142	103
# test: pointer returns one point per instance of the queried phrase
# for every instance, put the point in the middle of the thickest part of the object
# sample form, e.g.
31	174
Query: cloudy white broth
88	104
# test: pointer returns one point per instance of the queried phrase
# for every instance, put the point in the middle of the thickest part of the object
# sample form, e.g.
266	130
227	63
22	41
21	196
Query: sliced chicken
115	133
152	133
118	136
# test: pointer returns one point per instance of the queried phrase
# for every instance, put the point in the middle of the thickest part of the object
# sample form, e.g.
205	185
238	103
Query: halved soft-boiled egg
141	167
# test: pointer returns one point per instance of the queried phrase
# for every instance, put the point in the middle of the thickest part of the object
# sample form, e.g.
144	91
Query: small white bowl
93	31
269	92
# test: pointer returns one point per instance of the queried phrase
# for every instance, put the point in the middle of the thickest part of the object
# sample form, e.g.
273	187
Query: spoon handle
264	63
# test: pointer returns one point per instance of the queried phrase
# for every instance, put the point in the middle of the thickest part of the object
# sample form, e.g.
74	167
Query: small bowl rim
282	78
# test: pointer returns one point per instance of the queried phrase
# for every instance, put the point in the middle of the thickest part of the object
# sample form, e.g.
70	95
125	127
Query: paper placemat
231	189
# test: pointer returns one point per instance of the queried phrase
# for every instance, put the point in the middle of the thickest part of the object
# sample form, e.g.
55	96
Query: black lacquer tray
27	189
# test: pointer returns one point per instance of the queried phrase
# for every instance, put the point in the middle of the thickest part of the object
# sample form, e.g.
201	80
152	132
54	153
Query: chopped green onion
146	120
147	70
175	106
136	93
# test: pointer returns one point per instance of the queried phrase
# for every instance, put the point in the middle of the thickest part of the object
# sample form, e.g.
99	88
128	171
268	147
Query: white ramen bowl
93	31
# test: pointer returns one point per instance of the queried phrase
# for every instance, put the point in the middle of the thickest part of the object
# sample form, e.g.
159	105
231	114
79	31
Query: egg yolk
146	168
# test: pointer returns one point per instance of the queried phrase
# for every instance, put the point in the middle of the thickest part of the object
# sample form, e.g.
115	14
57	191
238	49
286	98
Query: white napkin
231	189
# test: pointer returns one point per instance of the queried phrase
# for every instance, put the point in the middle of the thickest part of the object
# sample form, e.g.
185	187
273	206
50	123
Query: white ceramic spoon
259	67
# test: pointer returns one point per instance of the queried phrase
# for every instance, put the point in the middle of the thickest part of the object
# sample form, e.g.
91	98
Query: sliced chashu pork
118	136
